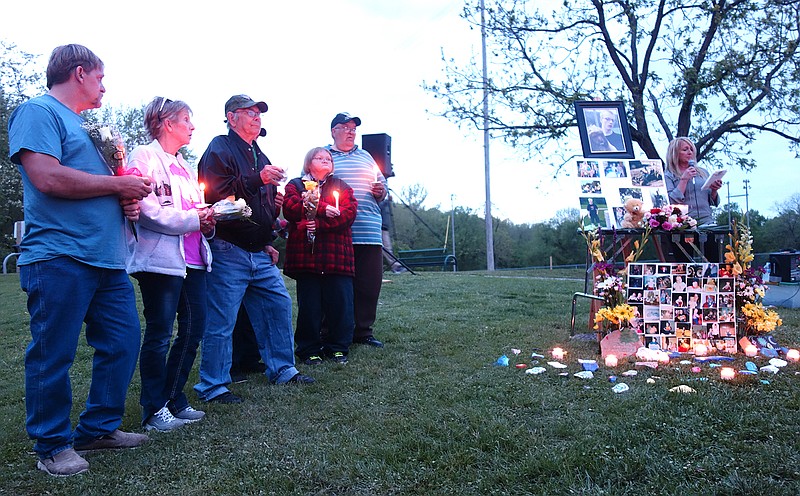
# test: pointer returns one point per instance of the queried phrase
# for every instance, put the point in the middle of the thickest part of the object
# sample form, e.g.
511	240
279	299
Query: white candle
727	373
663	357
700	350
611	360
751	350
336	197
793	355
558	353
203	193
375	170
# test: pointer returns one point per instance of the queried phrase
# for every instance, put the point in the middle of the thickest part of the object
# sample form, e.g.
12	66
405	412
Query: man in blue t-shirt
72	266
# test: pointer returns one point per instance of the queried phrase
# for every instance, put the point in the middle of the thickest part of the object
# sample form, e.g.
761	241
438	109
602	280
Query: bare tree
720	71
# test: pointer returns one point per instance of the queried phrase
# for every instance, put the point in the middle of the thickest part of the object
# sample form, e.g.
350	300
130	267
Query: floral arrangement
669	218
750	289
310	204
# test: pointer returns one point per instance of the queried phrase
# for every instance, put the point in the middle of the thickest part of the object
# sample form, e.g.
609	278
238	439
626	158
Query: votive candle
611	360
558	353
793	355
700	350
727	373
750	350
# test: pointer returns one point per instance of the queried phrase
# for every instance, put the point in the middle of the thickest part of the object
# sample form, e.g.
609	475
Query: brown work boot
64	464
116	440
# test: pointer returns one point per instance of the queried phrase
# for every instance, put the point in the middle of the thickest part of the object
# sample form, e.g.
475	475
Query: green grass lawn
431	414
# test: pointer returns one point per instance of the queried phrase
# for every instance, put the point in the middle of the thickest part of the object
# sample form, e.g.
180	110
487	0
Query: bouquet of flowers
230	209
310	204
750	289
669	218
111	146
109	143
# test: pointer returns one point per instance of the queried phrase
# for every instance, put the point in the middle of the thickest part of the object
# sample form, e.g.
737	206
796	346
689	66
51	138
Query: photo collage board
680	305
605	185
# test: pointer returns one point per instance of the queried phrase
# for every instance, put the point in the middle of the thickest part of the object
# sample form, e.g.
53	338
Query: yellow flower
729	256
310	185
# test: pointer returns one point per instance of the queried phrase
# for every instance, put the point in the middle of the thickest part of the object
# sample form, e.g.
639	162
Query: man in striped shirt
359	170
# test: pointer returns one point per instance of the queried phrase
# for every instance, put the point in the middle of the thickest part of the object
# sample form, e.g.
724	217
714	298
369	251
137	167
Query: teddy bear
634	213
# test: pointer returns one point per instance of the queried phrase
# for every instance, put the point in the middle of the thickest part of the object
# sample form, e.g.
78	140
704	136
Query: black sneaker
369	341
226	398
339	358
300	379
313	360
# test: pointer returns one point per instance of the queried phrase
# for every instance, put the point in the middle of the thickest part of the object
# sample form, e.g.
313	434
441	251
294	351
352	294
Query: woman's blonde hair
672	156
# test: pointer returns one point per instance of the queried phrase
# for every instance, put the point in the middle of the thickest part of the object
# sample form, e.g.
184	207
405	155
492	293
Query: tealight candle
793	355
727	373
751	350
558	353
611	360
700	349
336	197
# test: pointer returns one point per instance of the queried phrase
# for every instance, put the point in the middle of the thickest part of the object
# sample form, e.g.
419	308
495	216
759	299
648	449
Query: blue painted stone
751	366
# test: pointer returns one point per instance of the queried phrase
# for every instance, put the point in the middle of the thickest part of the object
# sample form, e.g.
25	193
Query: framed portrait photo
603	129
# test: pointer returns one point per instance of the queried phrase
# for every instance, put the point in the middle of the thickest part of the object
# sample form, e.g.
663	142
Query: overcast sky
310	60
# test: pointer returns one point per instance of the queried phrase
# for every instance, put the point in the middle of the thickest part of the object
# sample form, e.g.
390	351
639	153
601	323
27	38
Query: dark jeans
163	296
331	296
245	358
366	287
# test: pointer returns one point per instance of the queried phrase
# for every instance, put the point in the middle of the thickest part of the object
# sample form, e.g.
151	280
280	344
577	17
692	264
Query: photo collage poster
680	305
605	185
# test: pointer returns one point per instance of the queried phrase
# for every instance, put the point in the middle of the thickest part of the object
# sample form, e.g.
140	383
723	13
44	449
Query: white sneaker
163	421
189	415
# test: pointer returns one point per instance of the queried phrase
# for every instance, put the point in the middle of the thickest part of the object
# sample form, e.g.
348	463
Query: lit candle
751	350
700	350
663	357
336	197
793	355
203	193
558	353
611	360
727	373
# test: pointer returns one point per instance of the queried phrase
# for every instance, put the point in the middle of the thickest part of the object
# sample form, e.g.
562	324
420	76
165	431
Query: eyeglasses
345	129
323	159
250	112
164	101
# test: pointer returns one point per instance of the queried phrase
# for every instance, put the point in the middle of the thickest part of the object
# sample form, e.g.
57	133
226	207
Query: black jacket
228	168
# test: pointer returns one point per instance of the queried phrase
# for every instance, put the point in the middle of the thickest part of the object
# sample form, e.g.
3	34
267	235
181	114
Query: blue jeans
331	296
239	276
63	294
163	297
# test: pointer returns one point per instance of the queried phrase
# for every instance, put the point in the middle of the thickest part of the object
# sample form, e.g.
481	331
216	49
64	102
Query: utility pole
488	212
746	196
453	225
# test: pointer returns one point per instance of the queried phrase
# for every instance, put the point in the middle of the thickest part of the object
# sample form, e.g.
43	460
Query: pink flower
667	226
653	222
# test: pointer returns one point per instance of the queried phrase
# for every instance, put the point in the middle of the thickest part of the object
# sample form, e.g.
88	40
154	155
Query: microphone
263	133
693	163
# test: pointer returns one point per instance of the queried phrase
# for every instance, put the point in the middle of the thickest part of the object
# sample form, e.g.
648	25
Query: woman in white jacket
170	261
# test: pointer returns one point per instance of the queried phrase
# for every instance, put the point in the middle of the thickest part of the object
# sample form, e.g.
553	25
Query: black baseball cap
237	102
344	117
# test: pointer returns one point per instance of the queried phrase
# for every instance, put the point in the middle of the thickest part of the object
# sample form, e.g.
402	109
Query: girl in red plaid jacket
323	268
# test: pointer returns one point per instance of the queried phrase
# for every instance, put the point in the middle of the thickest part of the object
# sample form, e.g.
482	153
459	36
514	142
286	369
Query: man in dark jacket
243	269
